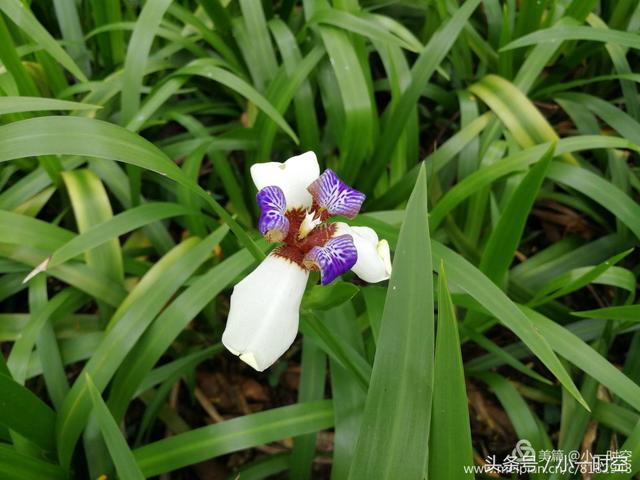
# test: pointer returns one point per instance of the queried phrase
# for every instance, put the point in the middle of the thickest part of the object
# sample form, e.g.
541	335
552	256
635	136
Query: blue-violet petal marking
273	223
335	196
336	257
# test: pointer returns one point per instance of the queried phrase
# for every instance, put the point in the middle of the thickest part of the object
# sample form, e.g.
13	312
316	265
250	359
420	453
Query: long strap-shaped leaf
118	449
586	358
554	34
36	104
232	435
17	466
393	440
434	52
131	319
120	224
173	320
517	112
94	138
450	441
137	55
18	13
485	292
24	413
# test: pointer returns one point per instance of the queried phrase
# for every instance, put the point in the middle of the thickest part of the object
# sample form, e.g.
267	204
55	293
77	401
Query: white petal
292	176
374	258
264	311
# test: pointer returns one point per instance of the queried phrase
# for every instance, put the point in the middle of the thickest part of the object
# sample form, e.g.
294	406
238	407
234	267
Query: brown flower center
295	248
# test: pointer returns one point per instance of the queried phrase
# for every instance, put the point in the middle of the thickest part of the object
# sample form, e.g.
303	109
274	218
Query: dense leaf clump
497	144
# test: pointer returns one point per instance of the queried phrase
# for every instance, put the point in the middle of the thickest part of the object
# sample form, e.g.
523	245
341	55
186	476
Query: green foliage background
497	143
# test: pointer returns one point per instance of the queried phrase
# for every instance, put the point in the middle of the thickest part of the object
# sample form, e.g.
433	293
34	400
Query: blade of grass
17	466
450	441
506	236
138	54
394	122
556	34
237	434
485	292
348	397
24	413
517	112
111	228
405	345
170	323
78	136
34	104
23	18
122	457
629	313
312	379
126	326
47	345
586	358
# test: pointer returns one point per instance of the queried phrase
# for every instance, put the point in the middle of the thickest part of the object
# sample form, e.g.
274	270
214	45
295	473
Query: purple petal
336	257
273	223
335	196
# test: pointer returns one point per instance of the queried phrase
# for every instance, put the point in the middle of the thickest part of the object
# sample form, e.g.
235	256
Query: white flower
295	201
263	317
374	258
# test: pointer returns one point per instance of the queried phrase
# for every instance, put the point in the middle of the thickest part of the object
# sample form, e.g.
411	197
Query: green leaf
47	346
348	397
111	228
337	348
91	207
600	190
23	18
394	122
506	236
18	466
358	114
362	25
118	449
329	296
211	70
485	292
521	160
556	34
574	280
239	433
523	419
629	313
138	54
261	56
528	126
67	301
586	358
312	380
398	408
126	326
36	104
173	320
450	441
24	413
94	138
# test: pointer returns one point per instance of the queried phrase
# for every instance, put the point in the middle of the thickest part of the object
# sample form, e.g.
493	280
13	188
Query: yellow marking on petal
250	359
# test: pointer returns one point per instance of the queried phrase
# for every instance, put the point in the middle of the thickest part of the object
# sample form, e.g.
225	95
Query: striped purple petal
335	196
336	257
273	223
